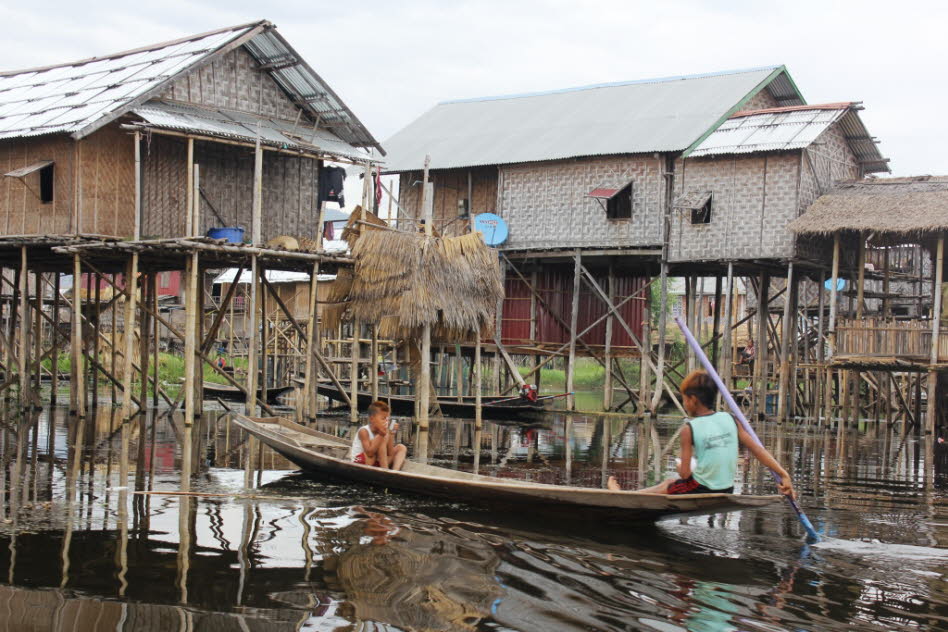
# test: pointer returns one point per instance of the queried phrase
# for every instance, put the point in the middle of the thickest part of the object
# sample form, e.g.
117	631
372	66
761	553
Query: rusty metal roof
79	97
668	114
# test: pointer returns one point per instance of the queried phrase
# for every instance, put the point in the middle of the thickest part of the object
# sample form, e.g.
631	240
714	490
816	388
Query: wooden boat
324	454
234	394
494	408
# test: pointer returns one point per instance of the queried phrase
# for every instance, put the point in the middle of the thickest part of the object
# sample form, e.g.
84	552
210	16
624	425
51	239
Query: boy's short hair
699	384
378	407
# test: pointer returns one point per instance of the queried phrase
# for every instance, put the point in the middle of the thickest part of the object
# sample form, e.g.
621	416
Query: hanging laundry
378	188
331	181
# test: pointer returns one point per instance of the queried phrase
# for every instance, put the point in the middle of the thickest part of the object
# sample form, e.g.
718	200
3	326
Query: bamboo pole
312	339
831	327
78	377
760	361
23	348
573	322
724	359
607	351
783	388
55	355
97	330
190	338
131	281
933	398
423	388
662	332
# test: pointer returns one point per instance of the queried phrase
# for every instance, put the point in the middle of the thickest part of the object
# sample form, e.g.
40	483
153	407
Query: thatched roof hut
403	281
897	208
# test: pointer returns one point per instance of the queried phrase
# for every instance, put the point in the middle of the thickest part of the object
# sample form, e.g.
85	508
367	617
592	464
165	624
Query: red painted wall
555	285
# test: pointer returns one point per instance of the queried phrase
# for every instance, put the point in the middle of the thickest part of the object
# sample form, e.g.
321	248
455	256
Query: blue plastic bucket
233	234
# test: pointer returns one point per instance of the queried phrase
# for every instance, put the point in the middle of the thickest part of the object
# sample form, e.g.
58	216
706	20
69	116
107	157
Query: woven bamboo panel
21	211
107	181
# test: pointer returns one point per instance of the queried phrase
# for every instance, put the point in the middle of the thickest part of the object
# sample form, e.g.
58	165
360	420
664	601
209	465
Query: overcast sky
391	61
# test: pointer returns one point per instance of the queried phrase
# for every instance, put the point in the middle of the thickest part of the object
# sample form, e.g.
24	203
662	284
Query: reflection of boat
496	408
325	454
234	394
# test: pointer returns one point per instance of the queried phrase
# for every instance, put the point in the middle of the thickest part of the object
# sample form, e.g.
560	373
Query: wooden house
605	187
77	140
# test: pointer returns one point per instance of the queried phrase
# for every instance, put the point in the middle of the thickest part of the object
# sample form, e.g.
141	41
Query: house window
46	184
702	214
617	202
698	203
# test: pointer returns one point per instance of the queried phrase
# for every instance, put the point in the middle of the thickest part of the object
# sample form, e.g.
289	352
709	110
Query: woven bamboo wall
226	173
450	186
107	183
21	211
232	82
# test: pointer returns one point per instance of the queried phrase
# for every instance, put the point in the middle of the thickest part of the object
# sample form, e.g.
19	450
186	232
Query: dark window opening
619	206
702	214
46	184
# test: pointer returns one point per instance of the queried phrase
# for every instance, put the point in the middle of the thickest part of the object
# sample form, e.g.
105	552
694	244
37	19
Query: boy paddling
374	444
712	438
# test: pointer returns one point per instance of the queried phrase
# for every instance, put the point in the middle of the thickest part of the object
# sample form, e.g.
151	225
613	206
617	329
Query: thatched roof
403	281
900	206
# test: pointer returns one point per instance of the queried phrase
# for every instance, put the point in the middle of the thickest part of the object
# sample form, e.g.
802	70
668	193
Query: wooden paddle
739	415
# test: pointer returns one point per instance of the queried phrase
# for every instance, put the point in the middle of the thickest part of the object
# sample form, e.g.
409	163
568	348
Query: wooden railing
876	337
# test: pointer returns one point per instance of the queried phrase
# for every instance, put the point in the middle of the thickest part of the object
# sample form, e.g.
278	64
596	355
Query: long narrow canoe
324	454
234	394
518	410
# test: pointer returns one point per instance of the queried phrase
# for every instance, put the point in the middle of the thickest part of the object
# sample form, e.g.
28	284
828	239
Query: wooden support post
78	375
423	386
95	294
662	325
128	369
55	356
354	353
860	305
189	190
191	273
831	328
820	372
783	388
374	365
37	332
23	347
310	379
607	351
716	323
690	318
573	323
724	359
760	361
933	399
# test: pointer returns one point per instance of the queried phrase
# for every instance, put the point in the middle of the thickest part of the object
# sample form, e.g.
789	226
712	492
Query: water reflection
80	553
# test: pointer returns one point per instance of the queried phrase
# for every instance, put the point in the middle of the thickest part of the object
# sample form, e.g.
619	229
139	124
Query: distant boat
234	394
324	454
492	407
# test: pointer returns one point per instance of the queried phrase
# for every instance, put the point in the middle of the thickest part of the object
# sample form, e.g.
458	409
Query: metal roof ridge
614	84
141	49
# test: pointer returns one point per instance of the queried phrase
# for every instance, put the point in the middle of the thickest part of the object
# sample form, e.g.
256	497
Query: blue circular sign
840	284
493	227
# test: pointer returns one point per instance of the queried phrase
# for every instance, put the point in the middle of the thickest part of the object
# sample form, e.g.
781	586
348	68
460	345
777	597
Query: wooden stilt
23	346
573	323
783	388
662	325
131	285
831	327
95	294
724	360
54	391
933	395
760	361
310	380
78	375
423	387
607	351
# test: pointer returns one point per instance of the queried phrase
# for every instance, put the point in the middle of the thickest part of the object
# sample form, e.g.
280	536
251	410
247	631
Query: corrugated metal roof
222	123
634	117
781	129
79	97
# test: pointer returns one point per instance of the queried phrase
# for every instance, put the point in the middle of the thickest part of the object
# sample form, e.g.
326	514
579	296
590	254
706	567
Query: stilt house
68	136
606	186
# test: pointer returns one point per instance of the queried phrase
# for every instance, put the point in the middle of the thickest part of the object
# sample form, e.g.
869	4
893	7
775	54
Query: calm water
298	553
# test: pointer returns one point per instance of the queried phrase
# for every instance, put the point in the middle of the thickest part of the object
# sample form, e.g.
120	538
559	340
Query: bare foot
613	484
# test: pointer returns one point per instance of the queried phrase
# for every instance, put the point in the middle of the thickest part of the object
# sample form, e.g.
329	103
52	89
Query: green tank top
715	445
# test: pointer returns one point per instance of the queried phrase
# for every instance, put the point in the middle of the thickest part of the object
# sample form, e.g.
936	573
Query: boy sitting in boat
374	444
712	438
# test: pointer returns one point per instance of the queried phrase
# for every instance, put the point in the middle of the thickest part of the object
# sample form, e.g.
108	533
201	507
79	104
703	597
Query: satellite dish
840	284
493	227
